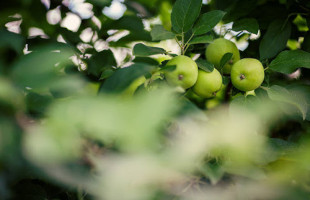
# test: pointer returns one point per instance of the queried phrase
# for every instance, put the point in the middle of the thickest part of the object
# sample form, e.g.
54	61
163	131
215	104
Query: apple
185	74
216	50
247	74
208	83
130	90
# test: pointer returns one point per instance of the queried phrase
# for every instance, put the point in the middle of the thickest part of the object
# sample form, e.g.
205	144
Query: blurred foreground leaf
281	94
131	124
39	69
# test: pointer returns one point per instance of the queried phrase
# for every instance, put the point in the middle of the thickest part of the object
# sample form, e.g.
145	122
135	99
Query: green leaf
37	69
37	103
12	40
106	74
248	24
146	60
275	39
281	94
160	33
100	62
123	77
168	68
306	43
288	61
202	39
205	65
301	90
225	59
208	21
184	14
143	50
127	22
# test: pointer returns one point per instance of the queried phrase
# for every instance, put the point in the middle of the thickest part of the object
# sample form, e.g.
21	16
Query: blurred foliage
75	123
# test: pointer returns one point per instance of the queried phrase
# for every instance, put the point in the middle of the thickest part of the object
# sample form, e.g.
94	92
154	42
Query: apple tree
157	99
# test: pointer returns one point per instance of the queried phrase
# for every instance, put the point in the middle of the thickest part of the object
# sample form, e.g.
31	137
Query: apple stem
180	77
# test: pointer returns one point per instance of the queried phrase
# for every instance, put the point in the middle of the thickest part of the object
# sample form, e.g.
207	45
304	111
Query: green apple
185	74
208	83
190	94
247	74
130	90
216	50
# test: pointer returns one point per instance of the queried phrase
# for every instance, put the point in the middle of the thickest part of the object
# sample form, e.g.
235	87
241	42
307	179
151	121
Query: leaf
143	50
275	39
202	39
106	74
248	24
160	33
12	40
238	9
213	171
225	59
99	62
278	93
168	68
146	60
127	22
306	43
288	61
131	37
184	14
205	65
301	90
208	21
37	103
123	77
37	69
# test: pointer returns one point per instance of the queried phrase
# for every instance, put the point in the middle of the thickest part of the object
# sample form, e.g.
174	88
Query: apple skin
130	90
186	72
216	50
247	74
208	83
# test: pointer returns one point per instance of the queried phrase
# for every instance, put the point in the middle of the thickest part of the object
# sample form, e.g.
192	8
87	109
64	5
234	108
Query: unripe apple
208	83
216	50
185	74
130	90
247	74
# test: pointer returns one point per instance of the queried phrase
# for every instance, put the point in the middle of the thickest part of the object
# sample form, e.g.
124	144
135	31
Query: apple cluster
246	74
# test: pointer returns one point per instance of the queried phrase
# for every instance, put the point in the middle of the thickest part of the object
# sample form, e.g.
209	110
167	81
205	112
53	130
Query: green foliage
225	59
205	65
88	114
208	21
288	61
248	24
160	33
275	39
201	39
123	77
143	50
184	15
